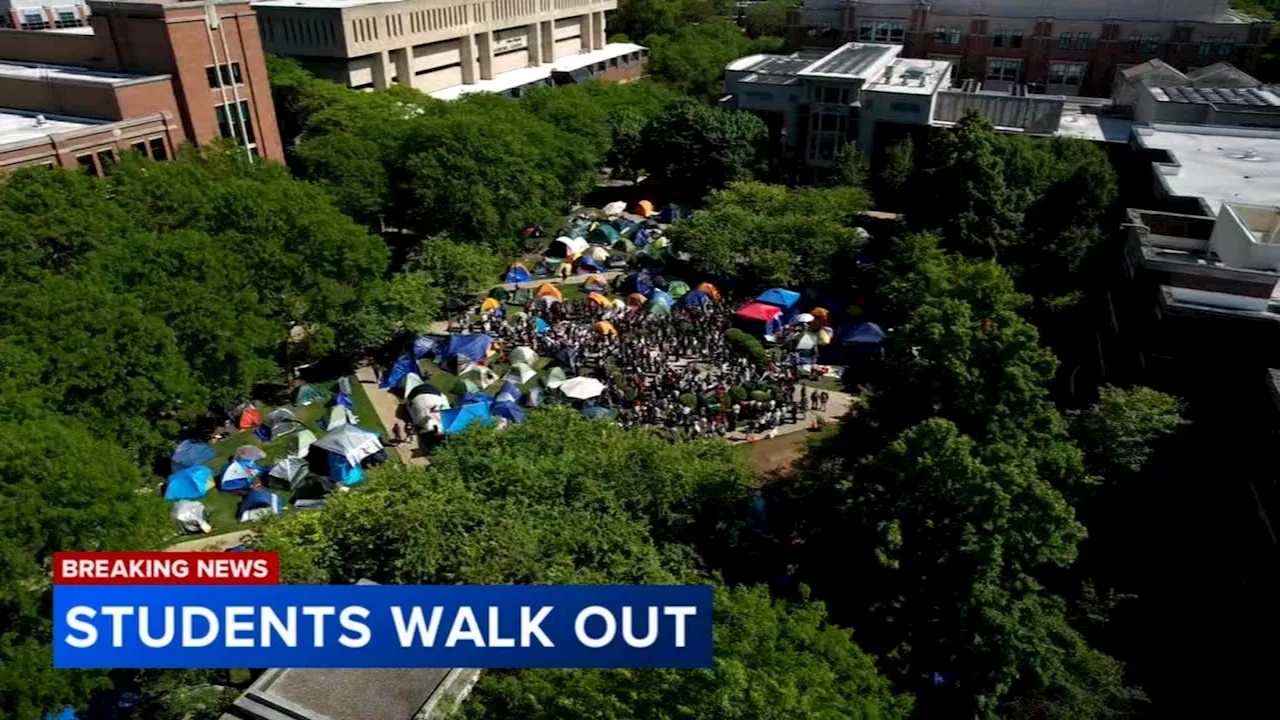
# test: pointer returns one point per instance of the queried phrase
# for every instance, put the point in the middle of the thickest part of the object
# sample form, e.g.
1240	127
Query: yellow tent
598	299
489	304
636	300
710	289
549	290
604	327
644	208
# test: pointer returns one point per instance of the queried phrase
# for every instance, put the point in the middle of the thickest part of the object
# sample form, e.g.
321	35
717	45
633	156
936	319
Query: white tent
566	247
582	388
352	443
411	381
598	253
339	415
524	354
423	404
292	470
479	374
299	444
521	373
555	378
615	208
236	471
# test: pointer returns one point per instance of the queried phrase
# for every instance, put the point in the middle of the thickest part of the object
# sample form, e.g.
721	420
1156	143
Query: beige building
440	45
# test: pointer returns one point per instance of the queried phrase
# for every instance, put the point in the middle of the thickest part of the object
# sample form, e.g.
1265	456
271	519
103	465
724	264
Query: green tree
695	148
899	163
1118	433
297	95
459	270
768	17
691	59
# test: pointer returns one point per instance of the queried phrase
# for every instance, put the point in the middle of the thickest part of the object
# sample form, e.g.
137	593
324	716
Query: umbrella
582	388
804	318
524	354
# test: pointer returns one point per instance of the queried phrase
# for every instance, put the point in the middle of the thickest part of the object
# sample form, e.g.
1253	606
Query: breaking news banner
170	617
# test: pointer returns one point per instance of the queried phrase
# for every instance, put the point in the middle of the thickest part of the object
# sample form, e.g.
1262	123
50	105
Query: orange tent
605	327
490	304
710	289
547	289
644	208
636	300
250	418
597	280
598	299
821	317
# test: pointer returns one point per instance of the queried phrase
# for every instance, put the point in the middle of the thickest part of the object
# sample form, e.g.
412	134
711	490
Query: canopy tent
412	383
604	327
582	388
605	234
524	354
639	282
695	299
759	318
479	374
238	475
190	453
191	519
499	293
188	483
595	283
521	373
250	452
343	472
566	248
427	345
399	370
282	421
474	347
616	207
458	419
258	505
301	443
339	415
549	290
555	378
710	290
780	298
678	289
307	394
292	471
490	304
517	273
351	443
588	265
249	418
509	411
598	300
644	208
864	334
636	300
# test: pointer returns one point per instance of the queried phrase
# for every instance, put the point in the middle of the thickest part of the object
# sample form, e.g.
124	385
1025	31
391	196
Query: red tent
759	312
250	418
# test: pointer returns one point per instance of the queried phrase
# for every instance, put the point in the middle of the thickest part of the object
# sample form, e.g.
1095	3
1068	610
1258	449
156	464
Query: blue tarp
780	297
398	372
259	499
516	274
426	345
66	713
344	473
190	453
344	400
508	410
541	326
637	283
866	333
188	484
595	412
695	298
473	347
475	397
458	419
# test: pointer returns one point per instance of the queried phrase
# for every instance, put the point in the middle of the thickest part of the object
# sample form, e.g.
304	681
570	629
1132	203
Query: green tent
500	293
521	296
605	235
307	394
624	245
678	289
657	307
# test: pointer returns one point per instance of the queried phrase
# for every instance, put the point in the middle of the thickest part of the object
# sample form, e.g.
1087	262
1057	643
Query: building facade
43	14
1070	47
200	65
448	45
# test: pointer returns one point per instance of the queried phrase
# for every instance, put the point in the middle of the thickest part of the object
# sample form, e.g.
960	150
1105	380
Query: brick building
196	68
43	14
1068	47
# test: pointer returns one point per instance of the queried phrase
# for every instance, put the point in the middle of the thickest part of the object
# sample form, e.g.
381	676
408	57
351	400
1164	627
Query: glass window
1064	41
229	121
68	18
1206	47
1004	70
34	21
1066	73
229	77
1134	41
140	147
955	36
940	35
86	163
1151	44
1015	39
828	123
831	95
106	158
998	39
158	150
1082	41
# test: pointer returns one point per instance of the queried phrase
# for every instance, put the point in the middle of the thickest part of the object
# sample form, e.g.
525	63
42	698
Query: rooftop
913	77
54	73
852	61
18	126
528	75
1257	97
1216	164
1218	11
1078	122
320	4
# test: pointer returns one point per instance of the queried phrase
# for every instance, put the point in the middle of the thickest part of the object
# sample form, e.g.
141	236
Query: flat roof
529	75
1217	164
776	64
20	125
53	73
912	76
852	61
1076	123
1258	97
320	4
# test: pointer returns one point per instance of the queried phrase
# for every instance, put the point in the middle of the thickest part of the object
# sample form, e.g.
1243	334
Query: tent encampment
549	290
299	444
864	335
509	411
759	319
188	483
517	273
678	289
282	421
555	378
637	283
587	265
695	299
238	475
566	248
308	394
595	283
351	443
250	452
598	300
339	415
617	207
290	470
606	328
524	354
258	505
521	373
249	418
787	300
458	419
190	453
479	374
400	369
490	304
474	347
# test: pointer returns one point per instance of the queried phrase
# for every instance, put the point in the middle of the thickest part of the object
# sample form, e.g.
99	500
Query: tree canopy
691	58
695	148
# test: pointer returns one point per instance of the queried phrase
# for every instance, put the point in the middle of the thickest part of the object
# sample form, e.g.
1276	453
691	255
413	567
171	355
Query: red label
166	568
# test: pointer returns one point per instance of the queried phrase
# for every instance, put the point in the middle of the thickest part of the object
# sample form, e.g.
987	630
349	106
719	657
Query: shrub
748	345
737	394
759	395
689	400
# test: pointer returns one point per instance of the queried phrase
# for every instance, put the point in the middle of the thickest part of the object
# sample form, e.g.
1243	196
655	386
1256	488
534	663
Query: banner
381	626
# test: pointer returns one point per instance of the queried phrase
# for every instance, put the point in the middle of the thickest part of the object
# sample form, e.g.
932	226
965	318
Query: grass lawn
826	382
222	506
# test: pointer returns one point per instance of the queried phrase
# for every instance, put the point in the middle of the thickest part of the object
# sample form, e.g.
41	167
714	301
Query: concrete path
837	407
571	280
386	405
216	543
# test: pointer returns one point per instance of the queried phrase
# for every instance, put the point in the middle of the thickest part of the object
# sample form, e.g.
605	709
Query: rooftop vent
41	121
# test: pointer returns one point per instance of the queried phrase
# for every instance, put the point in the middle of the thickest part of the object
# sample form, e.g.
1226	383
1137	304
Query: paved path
216	543
837	407
386	405
571	280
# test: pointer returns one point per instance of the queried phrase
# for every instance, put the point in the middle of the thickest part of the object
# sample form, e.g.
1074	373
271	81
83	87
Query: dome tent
189	483
191	453
517	273
258	505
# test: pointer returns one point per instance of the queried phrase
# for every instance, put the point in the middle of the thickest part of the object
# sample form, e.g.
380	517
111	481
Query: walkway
837	407
216	543
571	280
387	405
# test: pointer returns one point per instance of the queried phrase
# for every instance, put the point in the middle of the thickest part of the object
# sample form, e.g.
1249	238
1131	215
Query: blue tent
662	296
695	298
475	397
473	347
637	283
595	412
426	345
640	237
508	410
588	264
188	484
541	326
458	419
398	372
344	399
238	475
342	472
517	273
190	453
511	389
780	297
66	713
259	499
669	214
865	334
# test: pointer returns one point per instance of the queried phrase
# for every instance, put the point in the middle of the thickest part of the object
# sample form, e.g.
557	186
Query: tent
695	299
399	370
497	292
521	296
624	245
780	298
678	289
427	345
588	265
566	248
474	347
339	415
258	505
598	254
582	388
549	290
521	373
710	290
475	396
604	327
517	273
540	326
864	335
616	207
658	307
637	283
644	208
524	354
555	378
662	297
598	300
821	317
479	374
238	475
343	399
307	394
533	398
189	483
569	359
807	342
343	472
190	453
299	444
190	517
824	336
459	419
510	392
282	421
670	214
509	411
544	302
252	453
490	304
249	419
636	300
423	404
595	283
412	383
605	234
351	443
759	318
291	471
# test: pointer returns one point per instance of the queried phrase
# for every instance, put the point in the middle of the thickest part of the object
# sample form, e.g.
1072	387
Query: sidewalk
386	405
837	407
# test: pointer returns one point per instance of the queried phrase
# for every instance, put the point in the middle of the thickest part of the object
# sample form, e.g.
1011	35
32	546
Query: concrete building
449	46
196	68
1068	47
1197	169
43	14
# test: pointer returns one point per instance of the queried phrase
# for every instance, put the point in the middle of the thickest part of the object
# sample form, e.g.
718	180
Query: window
68	18
229	77
1066	73
229	121
106	158
1004	70
946	36
1064	41
1082	41
998	40
87	164
1217	46
881	31
1135	41
940	34
1151	44
140	148
905	107
34	21
831	95
158	150
1015	39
